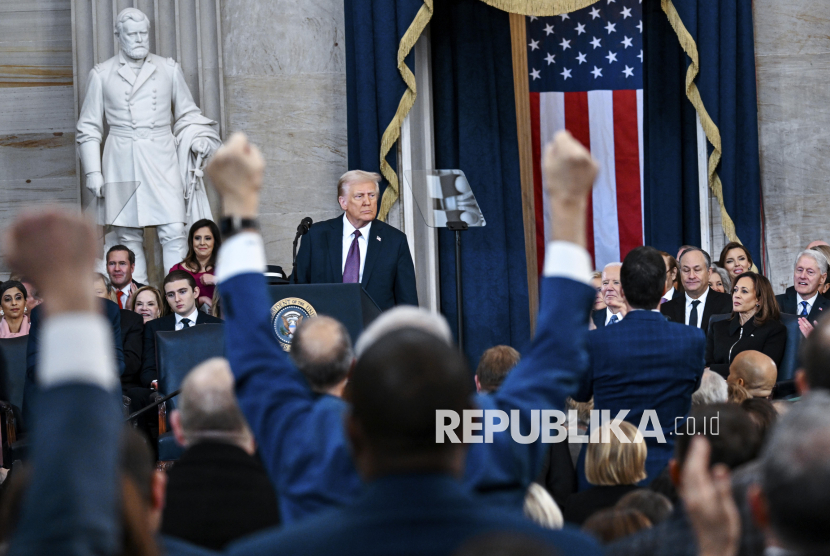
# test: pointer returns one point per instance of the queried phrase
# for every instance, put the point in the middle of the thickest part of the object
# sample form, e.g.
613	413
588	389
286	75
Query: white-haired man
356	248
802	298
612	295
141	95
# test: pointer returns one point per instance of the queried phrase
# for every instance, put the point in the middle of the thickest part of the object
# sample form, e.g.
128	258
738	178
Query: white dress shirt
608	315
362	243
810	302
124	294
669	294
700	306
192	316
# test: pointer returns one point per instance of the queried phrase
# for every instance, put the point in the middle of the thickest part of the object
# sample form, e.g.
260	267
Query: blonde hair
613	462
155	292
107	284
541	508
355	177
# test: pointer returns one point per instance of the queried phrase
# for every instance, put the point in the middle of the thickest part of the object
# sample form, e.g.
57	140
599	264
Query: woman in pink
15	321
203	245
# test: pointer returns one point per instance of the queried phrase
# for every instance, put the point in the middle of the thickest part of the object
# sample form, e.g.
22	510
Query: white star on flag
627	42
596	42
640	56
611	2
533	44
626	13
594	13
535	74
581	58
533	18
548	29
564	16
611	27
640	26
629	72
565	44
612	57
566	74
580	28
597	72
550	58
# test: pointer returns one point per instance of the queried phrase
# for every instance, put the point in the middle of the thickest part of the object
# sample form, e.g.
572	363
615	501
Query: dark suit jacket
217	493
582	505
163	324
599	317
388	273
419	514
771	339
644	362
788	303
716	304
132	339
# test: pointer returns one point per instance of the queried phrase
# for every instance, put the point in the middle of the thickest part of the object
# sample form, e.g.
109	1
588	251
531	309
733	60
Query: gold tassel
540	8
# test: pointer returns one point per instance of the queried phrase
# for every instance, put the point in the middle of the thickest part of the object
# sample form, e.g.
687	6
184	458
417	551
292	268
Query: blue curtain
475	130
723	32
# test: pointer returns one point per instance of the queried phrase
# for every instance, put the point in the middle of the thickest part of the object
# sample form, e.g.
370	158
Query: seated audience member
824	250
132	332
698	302
734	441
611	296
103	288
203	243
599	302
120	266
312	466
736	260
713	389
719	279
755	371
612	524
763	414
737	394
655	506
802	298
181	293
645	363
15	321
322	350
218	491
683	249
32	297
493	367
147	302
674	289
754	325
817	243
814	373
541	508
790	503
613	467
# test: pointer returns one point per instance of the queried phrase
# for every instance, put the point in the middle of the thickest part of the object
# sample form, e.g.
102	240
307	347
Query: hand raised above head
236	171
569	168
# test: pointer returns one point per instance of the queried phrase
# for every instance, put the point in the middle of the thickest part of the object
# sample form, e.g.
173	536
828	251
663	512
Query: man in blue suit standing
644	362
302	441
357	248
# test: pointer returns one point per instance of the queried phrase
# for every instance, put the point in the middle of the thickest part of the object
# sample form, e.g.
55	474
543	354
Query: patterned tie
614	320
186	323
693	313
351	272
804	312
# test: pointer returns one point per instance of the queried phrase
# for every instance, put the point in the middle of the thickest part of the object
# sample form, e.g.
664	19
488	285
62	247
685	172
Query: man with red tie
356	248
120	268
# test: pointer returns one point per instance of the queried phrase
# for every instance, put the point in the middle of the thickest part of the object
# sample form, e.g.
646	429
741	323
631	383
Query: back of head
404	316
737	393
733	436
756	370
795	476
762	413
494	365
643	277
614	462
814	355
399	383
322	350
712	389
207	405
612	524
655	506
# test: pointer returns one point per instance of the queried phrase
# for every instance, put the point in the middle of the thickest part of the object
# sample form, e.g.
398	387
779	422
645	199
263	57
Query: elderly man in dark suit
699	302
802	298
357	248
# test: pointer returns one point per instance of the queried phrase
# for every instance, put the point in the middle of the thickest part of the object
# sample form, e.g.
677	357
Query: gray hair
698	249
322	350
541	508
129	13
795	475
713	389
611	264
724	277
404	317
208	406
355	177
817	256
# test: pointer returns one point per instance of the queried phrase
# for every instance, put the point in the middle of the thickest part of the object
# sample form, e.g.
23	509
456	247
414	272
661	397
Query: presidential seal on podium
286	316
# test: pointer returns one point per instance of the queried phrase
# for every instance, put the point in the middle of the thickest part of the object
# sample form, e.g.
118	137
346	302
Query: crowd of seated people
332	449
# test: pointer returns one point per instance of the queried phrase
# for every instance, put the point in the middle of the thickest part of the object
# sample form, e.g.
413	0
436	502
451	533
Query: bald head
755	371
816	243
322	350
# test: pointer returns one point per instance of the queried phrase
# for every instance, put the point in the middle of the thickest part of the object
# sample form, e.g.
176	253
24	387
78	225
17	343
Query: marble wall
792	40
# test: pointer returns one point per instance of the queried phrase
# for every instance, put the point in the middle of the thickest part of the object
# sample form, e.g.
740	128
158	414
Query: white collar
608	315
669	294
126	289
348	229
810	301
192	316
702	298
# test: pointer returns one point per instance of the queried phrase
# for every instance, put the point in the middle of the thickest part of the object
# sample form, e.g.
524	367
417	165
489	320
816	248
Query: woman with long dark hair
203	244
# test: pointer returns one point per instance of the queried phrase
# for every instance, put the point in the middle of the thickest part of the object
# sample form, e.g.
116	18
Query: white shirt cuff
564	259
77	347
243	253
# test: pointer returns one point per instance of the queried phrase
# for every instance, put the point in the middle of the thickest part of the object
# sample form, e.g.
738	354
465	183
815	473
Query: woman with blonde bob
614	466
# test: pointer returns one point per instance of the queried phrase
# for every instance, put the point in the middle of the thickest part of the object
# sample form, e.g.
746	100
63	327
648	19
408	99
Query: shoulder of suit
388	230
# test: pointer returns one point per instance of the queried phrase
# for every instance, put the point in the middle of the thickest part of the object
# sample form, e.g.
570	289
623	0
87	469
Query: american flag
586	76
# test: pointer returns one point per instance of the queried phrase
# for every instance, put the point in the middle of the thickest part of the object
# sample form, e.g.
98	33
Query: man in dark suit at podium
356	248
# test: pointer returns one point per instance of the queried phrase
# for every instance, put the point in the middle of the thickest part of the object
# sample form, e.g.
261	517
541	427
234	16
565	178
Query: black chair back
13	351
789	363
178	352
716	318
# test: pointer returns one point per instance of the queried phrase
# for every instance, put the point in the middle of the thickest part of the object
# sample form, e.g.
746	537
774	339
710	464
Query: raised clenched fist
569	168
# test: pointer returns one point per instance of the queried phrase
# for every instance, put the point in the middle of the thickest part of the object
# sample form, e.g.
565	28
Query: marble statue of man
156	137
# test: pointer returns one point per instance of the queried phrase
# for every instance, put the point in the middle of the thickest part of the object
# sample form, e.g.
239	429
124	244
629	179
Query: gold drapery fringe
539	8
393	130
709	128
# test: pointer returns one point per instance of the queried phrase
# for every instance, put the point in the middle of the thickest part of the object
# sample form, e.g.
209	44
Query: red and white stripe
610	125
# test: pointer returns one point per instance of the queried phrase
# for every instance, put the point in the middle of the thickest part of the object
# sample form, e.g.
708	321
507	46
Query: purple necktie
351	272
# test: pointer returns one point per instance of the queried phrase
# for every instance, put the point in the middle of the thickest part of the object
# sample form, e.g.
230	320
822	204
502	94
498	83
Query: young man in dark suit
358	248
802	298
699	302
181	293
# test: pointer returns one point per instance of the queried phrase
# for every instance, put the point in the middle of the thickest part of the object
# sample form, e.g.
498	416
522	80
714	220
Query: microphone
302	230
304	226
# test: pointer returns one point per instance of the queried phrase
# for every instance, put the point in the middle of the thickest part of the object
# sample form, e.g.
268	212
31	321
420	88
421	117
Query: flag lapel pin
377	237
